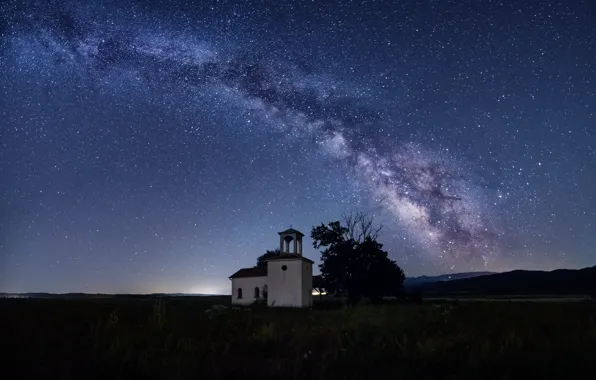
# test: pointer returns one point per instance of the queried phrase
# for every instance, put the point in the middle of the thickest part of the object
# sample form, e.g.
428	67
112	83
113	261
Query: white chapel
286	281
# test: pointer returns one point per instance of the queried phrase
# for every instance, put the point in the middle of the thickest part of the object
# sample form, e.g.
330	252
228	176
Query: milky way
434	195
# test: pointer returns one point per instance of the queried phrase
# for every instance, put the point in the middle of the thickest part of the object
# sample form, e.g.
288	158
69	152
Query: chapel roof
317	279
250	272
289	256
291	231
262	271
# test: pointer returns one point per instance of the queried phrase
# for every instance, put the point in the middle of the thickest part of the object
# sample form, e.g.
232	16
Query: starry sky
159	146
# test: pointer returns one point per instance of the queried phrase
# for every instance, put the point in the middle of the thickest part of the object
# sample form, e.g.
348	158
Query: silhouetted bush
328	304
261	302
415	298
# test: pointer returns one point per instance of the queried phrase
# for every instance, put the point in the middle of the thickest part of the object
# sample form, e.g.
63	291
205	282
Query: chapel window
239	293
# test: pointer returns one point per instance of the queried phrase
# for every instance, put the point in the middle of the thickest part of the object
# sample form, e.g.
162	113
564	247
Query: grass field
175	338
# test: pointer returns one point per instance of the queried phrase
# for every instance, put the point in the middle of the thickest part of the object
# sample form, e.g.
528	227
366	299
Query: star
156	149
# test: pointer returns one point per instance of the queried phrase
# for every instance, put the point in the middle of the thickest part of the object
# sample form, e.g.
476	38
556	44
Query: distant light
207	290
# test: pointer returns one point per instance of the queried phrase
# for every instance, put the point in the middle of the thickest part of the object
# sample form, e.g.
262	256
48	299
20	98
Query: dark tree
360	227
262	260
382	276
354	262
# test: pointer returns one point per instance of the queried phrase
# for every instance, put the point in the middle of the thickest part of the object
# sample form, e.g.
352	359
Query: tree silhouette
262	260
353	262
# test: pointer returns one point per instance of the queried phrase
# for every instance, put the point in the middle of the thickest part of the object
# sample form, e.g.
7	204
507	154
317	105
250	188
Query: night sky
159	146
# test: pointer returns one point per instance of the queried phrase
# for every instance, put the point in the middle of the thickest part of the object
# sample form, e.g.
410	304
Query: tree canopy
262	260
353	262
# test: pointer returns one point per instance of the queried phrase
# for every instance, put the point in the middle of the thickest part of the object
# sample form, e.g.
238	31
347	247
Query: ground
176	338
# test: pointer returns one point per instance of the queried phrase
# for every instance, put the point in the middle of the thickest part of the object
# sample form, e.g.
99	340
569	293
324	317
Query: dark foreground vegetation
176	338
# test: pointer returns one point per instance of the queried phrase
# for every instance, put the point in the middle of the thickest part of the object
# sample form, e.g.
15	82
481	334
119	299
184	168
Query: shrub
260	302
328	304
415	298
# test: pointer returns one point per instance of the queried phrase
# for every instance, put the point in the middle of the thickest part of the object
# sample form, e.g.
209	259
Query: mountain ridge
418	280
519	282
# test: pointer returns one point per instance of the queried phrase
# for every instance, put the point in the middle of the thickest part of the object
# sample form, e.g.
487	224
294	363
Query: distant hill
420	280
518	282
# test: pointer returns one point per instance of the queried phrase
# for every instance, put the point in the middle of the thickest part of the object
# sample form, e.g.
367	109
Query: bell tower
289	274
290	242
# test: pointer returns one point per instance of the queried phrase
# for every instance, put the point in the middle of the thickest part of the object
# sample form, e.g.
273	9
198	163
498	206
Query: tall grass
176	339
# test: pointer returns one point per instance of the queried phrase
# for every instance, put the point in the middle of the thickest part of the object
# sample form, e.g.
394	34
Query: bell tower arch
290	242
